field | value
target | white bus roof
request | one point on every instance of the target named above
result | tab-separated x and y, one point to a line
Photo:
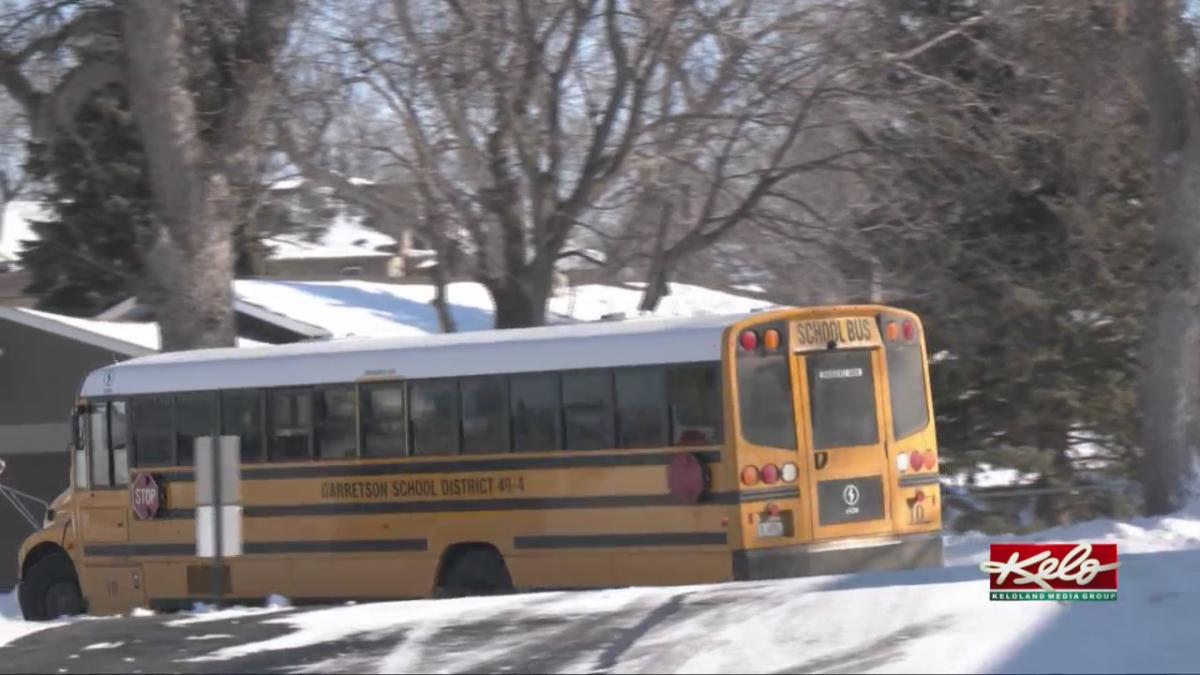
591	345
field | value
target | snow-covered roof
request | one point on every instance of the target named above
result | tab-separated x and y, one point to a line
125	338
16	227
346	237
586	345
347	308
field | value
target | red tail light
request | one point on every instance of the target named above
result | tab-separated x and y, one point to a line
770	474
749	340
750	475
916	460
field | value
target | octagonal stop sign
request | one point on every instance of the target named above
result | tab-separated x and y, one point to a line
145	496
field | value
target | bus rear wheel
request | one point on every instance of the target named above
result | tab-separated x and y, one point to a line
474	571
50	589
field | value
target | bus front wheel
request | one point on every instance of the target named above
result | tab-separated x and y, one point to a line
478	570
50	589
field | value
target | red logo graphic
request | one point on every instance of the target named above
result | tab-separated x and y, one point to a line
145	497
1052	571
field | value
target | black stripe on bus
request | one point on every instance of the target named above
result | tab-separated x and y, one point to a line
502	504
552	541
465	465
914	480
263	547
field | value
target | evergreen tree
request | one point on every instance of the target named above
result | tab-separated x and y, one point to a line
1014	215
93	182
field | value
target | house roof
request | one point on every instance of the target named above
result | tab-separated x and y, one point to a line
122	337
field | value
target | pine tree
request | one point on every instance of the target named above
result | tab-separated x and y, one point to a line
93	182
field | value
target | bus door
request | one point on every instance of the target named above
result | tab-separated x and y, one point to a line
102	497
842	417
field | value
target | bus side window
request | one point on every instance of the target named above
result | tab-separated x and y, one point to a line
641	407
694	395
485	415
335	408
153	425
589	422
118	433
534	407
242	416
383	419
98	445
433	417
289	425
195	416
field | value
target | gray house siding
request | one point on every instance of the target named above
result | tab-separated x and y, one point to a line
40	374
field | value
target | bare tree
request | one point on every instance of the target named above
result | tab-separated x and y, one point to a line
198	143
537	131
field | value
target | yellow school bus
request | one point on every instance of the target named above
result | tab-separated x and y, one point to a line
629	452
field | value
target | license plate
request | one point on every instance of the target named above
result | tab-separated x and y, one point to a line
770	528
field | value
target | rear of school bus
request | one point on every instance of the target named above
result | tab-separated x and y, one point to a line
833	422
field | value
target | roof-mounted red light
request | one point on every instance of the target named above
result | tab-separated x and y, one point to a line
749	340
909	330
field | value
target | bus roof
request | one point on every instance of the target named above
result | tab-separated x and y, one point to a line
624	342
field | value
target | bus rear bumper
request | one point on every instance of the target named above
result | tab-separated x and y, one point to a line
901	552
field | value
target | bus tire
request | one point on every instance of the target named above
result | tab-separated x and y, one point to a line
50	589
477	570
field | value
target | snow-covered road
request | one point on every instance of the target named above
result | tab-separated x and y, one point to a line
923	621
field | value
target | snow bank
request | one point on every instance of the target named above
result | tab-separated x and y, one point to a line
1176	532
938	620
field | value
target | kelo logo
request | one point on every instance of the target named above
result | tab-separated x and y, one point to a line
1078	572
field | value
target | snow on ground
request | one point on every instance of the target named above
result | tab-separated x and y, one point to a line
12	624
937	620
351	308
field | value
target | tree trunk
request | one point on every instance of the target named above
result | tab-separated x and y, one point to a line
440	302
193	164
1169	351
192	256
520	301
657	285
